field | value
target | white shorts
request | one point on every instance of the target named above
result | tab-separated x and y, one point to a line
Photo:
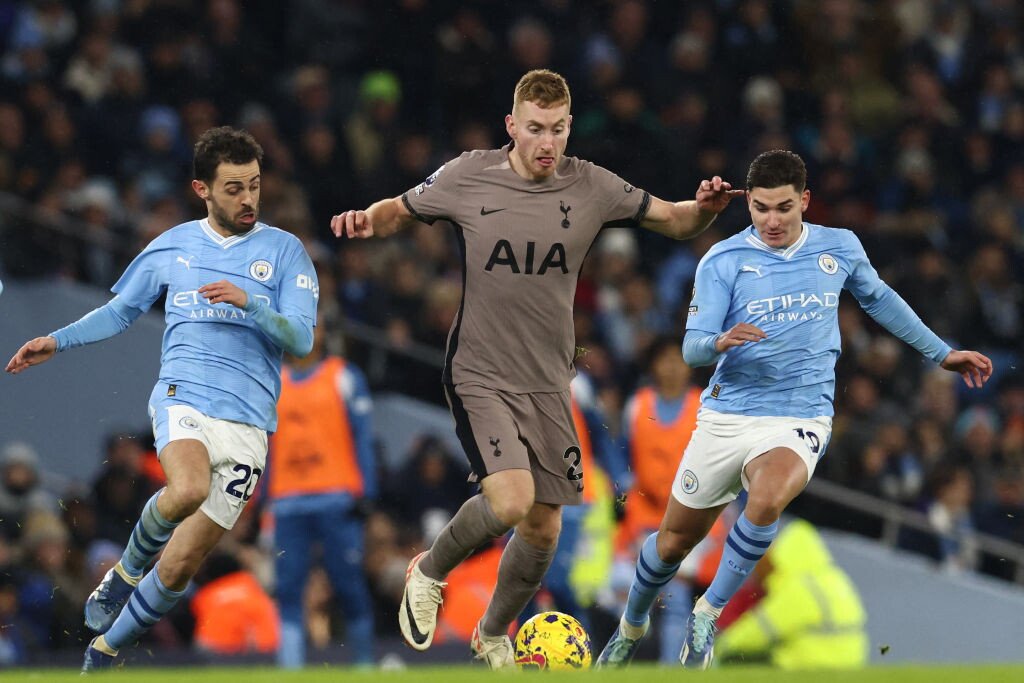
712	469
238	456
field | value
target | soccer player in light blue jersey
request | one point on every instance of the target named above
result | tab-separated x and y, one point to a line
764	308
239	294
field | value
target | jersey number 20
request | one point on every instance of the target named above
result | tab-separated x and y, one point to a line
247	482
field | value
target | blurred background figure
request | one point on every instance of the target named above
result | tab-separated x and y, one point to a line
656	426
233	614
322	481
21	490
811	616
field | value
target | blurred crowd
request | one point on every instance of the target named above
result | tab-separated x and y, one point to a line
909	114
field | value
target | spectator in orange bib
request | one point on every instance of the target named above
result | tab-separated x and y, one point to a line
322	477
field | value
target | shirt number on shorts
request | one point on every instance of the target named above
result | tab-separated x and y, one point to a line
575	472
811	438
250	475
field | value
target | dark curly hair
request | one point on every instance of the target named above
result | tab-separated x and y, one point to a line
223	145
777	168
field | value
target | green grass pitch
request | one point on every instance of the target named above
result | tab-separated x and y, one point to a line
473	674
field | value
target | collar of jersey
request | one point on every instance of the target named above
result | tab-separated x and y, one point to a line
227	242
787	252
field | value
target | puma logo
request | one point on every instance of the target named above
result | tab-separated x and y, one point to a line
188	263
751	269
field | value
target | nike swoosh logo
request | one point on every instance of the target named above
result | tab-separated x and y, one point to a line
418	637
484	211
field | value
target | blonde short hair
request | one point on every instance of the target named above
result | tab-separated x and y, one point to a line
543	87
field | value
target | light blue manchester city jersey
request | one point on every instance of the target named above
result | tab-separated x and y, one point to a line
792	294
213	357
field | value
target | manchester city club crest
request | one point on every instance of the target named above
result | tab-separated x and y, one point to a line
828	263
261	270
188	422
690	482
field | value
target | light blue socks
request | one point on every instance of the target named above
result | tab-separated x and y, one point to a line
651	576
746	544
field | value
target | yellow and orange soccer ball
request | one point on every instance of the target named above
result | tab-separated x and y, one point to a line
552	641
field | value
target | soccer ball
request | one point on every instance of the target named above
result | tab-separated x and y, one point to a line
554	641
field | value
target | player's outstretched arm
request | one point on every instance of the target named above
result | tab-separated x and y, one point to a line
974	367
34	352
113	317
383	219
685	220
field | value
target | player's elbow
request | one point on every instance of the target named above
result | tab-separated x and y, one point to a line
302	351
303	346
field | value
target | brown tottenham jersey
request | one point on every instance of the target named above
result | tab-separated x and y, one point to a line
522	244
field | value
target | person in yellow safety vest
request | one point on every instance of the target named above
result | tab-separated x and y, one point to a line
811	616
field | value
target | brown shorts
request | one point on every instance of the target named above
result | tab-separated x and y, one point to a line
503	431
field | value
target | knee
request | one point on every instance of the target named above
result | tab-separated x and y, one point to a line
511	510
765	507
674	546
541	533
175	574
184	498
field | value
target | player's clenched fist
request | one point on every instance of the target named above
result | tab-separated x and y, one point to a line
352	224
39	350
738	335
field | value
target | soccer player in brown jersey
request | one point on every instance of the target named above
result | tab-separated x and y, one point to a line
525	217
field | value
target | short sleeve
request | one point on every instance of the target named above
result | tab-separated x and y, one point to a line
623	205
300	287
144	280
712	294
438	195
863	281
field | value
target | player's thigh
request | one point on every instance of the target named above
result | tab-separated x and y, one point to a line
238	456
709	473
806	438
546	423
182	440
510	493
486	429
775	478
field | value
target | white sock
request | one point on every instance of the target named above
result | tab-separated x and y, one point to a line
707	608
632	632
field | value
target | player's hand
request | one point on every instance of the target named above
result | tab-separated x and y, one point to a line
715	194
223	292
738	335
972	366
39	350
353	224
